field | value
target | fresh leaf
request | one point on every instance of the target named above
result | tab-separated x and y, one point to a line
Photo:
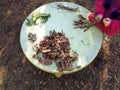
30	22
44	20
42	16
35	16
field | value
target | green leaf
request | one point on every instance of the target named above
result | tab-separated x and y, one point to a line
44	20
43	17
35	16
30	22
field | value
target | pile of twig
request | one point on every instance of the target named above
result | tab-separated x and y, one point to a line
56	47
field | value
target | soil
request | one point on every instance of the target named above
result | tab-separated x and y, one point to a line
17	73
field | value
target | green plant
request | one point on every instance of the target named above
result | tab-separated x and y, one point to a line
42	16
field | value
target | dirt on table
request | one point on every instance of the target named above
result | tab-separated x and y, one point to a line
17	73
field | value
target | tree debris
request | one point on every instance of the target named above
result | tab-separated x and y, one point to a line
32	37
60	6
83	23
56	47
42	16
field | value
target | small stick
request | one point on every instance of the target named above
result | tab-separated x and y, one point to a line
89	27
67	8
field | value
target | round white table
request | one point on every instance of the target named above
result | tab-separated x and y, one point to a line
86	44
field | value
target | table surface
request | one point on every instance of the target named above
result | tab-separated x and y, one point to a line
86	44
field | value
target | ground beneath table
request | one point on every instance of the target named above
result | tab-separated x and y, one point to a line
17	73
